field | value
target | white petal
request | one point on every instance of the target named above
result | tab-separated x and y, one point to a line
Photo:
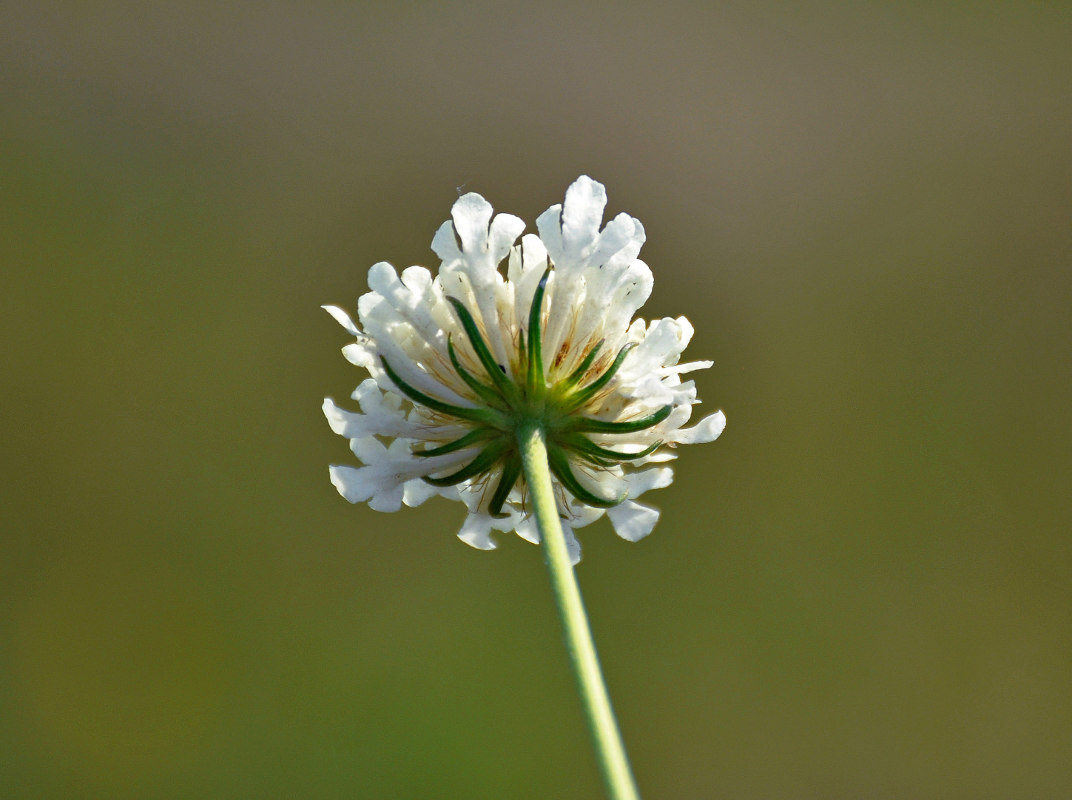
549	225
445	244
631	290
362	353
648	479
632	521
581	514
368	449
367	484
505	229
606	483
581	215
573	547
680	415
530	254
621	252
527	264
651	389
583	283
417	491
352	425
472	215
689	366
618	245
351	483
483	244
706	430
527	530
660	456
662	345
412	306
343	422
388	498
382	480
616	288
343	319
476	532
388	417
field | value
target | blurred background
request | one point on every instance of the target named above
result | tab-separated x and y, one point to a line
861	590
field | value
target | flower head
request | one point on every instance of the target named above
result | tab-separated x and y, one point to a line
461	361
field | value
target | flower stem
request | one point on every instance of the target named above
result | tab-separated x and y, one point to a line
610	752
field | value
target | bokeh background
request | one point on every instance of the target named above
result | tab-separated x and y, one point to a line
861	590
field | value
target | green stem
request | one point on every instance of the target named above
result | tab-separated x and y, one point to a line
613	763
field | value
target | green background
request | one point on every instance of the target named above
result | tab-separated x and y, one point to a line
861	590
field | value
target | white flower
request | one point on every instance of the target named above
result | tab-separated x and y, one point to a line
459	360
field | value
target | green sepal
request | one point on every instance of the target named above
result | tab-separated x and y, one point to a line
486	393
581	397
486	416
575	376
482	463
535	377
588	425
582	444
491	366
559	464
510	473
468	440
522	357
596	461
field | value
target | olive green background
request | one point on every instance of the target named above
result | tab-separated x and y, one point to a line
861	590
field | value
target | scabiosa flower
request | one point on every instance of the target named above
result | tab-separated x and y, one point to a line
459	362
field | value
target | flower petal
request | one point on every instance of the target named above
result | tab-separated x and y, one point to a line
363	484
573	547
527	529
570	231
381	482
412	298
377	421
632	521
527	264
351	483
706	430
648	479
476	532
362	353
416	492
662	345
474	246
343	319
